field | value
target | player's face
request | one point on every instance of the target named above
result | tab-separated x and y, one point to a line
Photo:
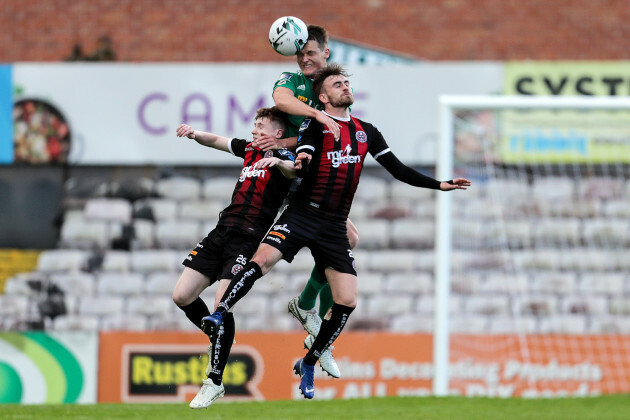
263	127
311	59
338	91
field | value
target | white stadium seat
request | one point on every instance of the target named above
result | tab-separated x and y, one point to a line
111	209
179	188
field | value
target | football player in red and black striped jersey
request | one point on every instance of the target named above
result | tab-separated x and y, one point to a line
258	194
330	169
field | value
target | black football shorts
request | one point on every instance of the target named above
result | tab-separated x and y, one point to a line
326	238
222	253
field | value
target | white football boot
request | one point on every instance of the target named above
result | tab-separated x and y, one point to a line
208	393
309	319
326	360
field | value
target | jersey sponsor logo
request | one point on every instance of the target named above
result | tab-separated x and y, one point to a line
278	234
301	87
273	238
304	99
287	153
249	148
327	132
281	82
250	172
344	157
361	136
282	228
193	252
305	124
286	76
268	154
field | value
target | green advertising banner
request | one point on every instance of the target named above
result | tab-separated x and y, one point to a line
565	136
45	368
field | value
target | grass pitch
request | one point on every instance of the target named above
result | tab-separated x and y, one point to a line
452	408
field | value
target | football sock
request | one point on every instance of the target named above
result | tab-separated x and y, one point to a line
328	332
221	348
196	310
239	286
308	297
325	301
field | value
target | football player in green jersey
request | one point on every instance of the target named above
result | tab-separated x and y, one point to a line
294	95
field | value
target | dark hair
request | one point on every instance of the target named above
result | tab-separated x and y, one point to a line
275	115
318	34
332	69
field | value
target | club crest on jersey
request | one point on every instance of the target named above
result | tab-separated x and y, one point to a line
361	136
236	268
268	154
287	153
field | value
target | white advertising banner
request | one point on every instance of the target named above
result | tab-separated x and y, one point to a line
126	114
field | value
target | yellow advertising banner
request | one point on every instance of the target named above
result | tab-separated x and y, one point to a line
150	367
565	136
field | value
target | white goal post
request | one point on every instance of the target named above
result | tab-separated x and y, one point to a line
444	221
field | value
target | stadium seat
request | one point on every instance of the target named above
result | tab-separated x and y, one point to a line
253	305
513	325
86	234
611	284
466	283
370	283
14	304
388	261
373	233
408	283
390	210
267	323
581	304
110	283
609	232
401	192
25	284
177	233
508	283
371	189
536	304
554	188
149	260
110	209
389	305
616	208
160	208
75	283
487	305
412	323
600	188
609	325
412	233
179	188
76	322
101	305
150	305
563	324
219	188
116	261
143	234
620	305
51	260
124	322
559	231
555	282
161	282
469	324
201	210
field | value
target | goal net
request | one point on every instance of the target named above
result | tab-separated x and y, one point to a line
532	262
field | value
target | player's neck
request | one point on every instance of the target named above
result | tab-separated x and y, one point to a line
342	112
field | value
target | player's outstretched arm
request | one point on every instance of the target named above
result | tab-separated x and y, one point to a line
410	176
287	102
265	143
205	139
285	166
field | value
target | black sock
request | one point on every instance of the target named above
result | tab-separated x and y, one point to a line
239	286
196	310
328	332
221	348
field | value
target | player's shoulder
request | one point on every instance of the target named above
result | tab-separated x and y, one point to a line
288	76
367	126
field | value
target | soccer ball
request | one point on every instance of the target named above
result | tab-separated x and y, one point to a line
288	35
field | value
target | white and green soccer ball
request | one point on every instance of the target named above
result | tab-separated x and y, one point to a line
288	35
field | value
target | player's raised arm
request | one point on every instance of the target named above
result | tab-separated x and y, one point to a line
410	176
205	139
287	102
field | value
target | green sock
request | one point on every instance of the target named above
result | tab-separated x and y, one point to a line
325	301
311	290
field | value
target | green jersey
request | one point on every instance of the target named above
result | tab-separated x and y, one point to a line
302	88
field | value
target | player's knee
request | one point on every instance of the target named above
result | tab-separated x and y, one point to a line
181	299
347	300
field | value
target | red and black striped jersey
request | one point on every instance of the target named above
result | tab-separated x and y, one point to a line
333	174
258	193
